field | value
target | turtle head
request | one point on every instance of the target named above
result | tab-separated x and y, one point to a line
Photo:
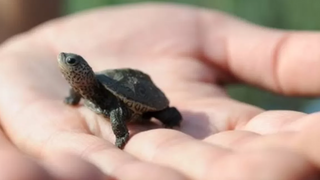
76	70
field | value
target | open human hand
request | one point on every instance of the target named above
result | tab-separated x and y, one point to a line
190	53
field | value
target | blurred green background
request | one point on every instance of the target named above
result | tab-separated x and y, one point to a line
285	14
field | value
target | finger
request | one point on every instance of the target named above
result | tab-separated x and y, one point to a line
270	122
301	136
246	140
108	158
276	164
273	121
277	127
283	61
177	150
203	161
304	142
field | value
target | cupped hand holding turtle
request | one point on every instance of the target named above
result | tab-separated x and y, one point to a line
189	53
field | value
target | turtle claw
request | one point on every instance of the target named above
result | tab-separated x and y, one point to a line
70	101
73	98
171	125
121	141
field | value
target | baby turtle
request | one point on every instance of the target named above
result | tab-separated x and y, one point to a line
122	95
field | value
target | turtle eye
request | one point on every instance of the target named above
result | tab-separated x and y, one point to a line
71	60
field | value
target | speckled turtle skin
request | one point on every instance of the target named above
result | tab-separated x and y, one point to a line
122	95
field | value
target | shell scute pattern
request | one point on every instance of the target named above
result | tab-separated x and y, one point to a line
135	88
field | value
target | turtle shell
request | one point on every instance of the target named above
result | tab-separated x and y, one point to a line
134	87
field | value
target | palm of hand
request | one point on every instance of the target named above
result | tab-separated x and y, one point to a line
169	49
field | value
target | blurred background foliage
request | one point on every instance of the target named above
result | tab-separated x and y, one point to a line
285	14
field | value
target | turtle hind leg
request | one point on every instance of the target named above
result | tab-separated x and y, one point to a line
93	107
169	117
73	98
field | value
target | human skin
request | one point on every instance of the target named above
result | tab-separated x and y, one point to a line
190	54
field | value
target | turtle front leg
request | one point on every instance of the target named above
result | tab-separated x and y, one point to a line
169	117
73	98
118	119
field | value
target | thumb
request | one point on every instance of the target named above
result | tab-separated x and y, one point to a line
285	62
